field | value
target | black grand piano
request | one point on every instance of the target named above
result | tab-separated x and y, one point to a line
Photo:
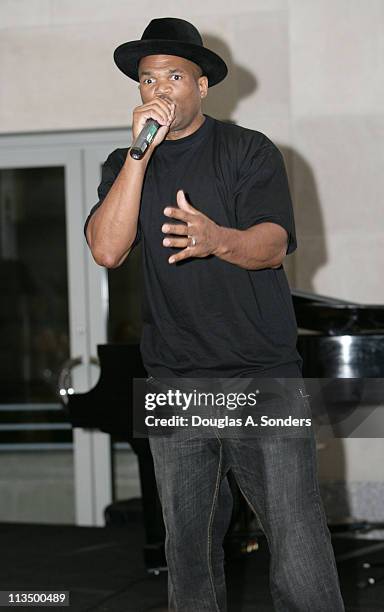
338	340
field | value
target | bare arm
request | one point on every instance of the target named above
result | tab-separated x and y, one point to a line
112	227
260	246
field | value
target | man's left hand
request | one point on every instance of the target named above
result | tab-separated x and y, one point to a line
198	238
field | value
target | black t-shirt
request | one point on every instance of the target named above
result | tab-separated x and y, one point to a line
205	317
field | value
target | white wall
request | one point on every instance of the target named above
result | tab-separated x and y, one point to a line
308	73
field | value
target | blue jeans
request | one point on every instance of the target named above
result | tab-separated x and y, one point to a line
278	478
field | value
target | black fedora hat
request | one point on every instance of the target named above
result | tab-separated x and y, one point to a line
170	36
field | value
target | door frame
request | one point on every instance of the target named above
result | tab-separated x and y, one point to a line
81	152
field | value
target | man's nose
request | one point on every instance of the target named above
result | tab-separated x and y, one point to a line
162	87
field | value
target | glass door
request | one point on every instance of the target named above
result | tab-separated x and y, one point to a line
114	309
119	320
34	293
44	318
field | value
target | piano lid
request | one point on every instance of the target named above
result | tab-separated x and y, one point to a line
332	316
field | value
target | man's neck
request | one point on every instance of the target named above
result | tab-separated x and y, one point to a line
187	131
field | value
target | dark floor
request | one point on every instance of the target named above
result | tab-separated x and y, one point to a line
104	571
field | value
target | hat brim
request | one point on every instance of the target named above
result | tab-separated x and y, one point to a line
128	55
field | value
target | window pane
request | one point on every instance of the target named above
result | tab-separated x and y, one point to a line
34	340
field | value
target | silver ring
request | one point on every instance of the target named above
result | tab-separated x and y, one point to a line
194	241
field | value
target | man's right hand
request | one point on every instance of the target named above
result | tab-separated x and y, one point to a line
160	109
113	226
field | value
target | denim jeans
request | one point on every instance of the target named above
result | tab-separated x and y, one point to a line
278	477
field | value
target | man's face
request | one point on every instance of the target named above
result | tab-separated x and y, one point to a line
177	80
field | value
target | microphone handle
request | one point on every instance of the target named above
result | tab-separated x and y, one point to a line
144	139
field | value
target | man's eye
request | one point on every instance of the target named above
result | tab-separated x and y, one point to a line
147	81
177	76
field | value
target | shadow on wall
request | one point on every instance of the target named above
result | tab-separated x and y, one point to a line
301	267
223	98
311	255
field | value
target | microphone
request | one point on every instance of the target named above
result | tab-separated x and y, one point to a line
144	139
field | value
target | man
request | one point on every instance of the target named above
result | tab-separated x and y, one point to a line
210	203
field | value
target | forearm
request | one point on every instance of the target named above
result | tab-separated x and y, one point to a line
112	227
260	246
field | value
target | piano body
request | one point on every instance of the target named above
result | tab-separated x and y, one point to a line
337	340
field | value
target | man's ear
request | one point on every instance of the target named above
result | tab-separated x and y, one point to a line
203	86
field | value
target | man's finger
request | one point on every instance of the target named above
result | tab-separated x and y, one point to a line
184	254
180	243
181	230
177	213
183	202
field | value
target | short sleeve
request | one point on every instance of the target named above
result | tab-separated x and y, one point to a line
110	170
262	192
